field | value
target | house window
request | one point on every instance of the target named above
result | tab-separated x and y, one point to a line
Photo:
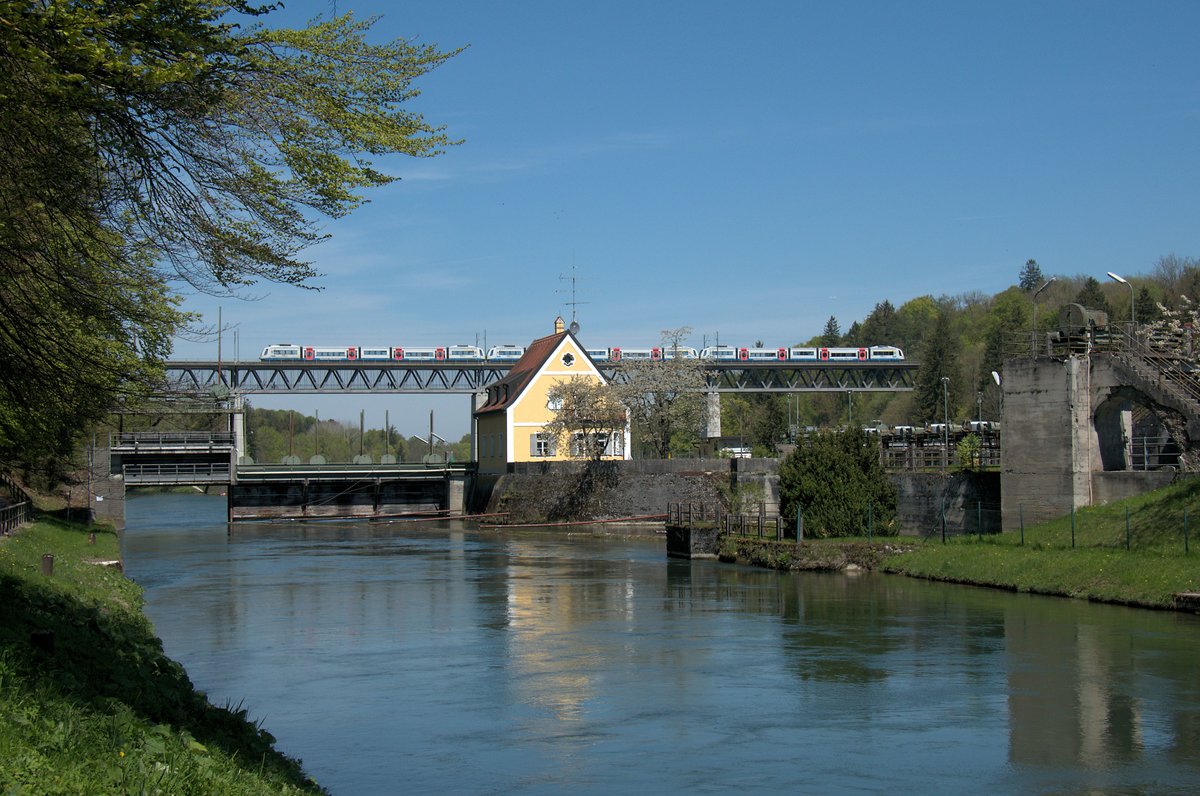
554	404
611	444
542	444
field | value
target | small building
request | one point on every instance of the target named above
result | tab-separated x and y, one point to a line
510	425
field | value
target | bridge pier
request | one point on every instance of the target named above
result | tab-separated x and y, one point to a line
712	415
1070	447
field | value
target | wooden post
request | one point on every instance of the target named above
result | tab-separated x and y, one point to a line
47	564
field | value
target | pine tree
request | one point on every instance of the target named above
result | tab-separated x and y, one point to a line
1031	276
832	335
1092	297
939	359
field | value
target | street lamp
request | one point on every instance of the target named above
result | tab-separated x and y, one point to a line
946	424
1132	313
996	378
1037	293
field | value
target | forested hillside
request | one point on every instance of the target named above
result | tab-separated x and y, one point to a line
964	337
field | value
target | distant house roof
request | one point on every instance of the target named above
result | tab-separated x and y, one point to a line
505	392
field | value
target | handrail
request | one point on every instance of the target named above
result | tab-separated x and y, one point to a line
157	438
15	515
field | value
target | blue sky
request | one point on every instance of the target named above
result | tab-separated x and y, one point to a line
747	169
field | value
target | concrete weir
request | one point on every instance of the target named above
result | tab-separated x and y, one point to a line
352	492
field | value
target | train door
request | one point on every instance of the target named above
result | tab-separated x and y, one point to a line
309	354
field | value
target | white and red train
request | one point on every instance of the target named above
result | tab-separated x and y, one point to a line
285	352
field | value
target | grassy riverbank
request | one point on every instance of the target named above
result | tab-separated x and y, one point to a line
88	701
1139	551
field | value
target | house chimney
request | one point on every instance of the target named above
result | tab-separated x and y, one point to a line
559	325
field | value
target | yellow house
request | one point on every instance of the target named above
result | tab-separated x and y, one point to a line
509	426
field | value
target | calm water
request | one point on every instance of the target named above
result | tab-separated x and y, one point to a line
416	658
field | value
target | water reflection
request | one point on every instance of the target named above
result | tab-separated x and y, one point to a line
456	660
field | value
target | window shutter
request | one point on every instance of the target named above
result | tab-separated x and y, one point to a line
533	444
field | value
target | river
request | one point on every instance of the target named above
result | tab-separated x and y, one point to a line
429	657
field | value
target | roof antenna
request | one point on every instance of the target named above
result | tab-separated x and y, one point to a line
574	327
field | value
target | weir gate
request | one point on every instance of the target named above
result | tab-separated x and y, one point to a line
275	491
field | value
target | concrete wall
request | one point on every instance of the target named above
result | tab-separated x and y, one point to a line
559	492
967	498
571	491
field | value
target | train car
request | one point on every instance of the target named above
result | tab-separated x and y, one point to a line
802	354
505	353
762	354
317	353
843	354
634	354
719	353
464	353
680	352
597	354
280	351
885	353
375	353
420	354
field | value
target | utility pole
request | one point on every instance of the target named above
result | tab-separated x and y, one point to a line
946	423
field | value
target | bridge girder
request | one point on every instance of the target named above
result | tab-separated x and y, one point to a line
464	379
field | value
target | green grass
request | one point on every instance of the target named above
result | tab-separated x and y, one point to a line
88	701
1149	572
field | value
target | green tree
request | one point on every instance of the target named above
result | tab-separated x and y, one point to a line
881	327
1147	306
939	359
835	479
1092	297
1008	316
145	143
1031	276
832	334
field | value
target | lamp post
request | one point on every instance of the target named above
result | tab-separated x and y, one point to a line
1132	313
996	378
946	424
1037	293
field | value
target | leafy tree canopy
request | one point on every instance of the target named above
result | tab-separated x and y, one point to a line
144	143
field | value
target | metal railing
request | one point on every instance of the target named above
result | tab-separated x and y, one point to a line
710	515
19	511
170	439
15	515
186	473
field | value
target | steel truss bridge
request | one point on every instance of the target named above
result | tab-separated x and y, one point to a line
467	378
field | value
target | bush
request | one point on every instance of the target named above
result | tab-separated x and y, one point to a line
837	480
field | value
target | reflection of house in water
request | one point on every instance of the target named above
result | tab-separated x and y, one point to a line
1070	700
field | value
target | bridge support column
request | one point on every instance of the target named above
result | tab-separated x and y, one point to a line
237	425
1046	471
477	400
712	415
456	492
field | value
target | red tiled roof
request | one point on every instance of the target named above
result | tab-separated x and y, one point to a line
505	392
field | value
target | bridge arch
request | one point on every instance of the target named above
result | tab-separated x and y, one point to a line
1135	432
